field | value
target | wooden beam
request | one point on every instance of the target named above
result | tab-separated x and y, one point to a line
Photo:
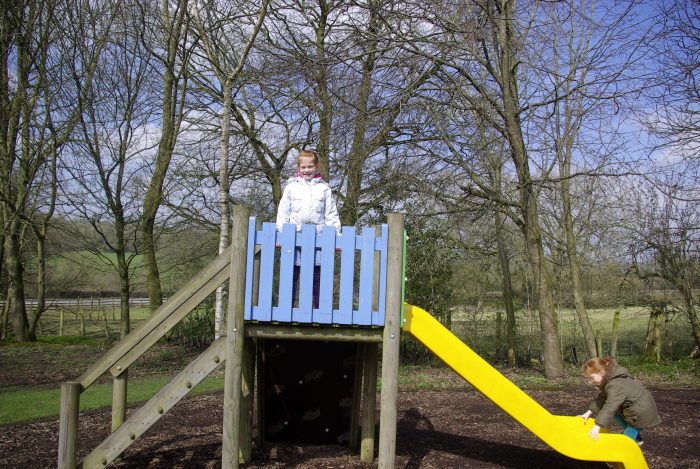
200	285
68	426
369	403
119	391
305	332
247	386
390	347
235	329
157	406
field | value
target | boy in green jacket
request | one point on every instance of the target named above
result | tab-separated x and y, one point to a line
621	398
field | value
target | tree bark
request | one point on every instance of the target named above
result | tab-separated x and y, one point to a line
652	345
224	207
507	285
175	28
528	190
16	280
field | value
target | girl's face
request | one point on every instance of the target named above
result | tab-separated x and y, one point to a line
597	378
307	167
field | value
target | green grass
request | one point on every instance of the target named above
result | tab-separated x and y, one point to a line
477	329
682	373
27	404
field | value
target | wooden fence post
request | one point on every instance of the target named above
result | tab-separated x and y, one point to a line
391	342
119	388
615	333
68	426
235	339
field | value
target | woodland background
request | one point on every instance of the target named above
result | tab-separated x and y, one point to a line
545	155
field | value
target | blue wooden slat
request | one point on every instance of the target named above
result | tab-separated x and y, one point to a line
378	317
306	274
248	306
263	311
287	241
327	242
364	307
347	267
324	313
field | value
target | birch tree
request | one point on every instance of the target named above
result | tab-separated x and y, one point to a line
227	40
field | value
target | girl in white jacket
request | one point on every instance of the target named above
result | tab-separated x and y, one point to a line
307	198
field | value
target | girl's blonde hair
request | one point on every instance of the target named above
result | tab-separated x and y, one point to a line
307	154
596	364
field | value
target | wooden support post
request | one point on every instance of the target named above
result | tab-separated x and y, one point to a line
354	437
68	426
119	385
390	347
247	383
260	389
369	403
369	367
235	339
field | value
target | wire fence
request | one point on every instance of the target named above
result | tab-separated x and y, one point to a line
100	317
478	330
86	317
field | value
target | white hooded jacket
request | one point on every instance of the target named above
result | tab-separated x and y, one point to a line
307	202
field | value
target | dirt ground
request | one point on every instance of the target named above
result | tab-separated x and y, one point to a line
459	428
436	429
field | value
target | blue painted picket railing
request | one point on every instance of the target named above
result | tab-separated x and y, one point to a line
351	309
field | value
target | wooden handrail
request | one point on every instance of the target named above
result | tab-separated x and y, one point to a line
199	286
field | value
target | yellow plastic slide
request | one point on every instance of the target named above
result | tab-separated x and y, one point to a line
565	434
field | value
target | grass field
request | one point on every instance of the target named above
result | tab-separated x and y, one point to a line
21	405
478	330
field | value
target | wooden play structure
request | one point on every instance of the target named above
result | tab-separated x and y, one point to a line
360	303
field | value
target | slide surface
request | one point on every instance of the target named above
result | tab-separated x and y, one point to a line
565	434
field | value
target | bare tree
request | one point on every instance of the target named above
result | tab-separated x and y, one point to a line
104	161
588	57
343	63
480	49
172	31
39	41
667	246
226	43
671	110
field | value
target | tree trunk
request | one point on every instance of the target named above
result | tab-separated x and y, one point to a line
124	297
171	108
507	292
40	286
325	103
507	65
652	345
575	270
219	310
691	314
15	278
6	313
615	334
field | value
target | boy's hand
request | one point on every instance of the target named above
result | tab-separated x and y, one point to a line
594	432
585	416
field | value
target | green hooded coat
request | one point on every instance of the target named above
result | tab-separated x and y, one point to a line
621	394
